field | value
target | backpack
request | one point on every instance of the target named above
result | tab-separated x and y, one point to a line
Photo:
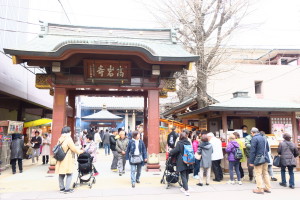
238	154
188	155
58	152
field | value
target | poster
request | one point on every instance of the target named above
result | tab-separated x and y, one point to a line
278	131
15	127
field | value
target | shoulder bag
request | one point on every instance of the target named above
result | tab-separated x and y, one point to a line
260	159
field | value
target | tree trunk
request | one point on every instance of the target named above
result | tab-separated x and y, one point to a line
201	86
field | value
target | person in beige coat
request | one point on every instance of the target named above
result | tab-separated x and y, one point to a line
66	167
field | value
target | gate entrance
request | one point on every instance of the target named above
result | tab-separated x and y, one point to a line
82	60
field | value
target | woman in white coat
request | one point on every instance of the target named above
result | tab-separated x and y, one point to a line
46	141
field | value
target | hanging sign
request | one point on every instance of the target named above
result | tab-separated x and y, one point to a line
107	71
15	127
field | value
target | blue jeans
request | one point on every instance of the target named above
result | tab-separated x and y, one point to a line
236	166
107	148
196	167
135	168
291	173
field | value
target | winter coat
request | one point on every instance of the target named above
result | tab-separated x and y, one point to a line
288	152
36	139
106	138
177	152
217	149
172	139
113	142
248	139
46	146
67	165
205	150
259	146
122	145
242	147
91	148
195	145
230	149
16	148
131	148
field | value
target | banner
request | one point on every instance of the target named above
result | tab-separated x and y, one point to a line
15	127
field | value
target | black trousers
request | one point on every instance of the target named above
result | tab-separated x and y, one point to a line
45	159
185	179
14	163
216	167
241	170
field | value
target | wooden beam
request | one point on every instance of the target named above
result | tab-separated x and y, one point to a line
106	93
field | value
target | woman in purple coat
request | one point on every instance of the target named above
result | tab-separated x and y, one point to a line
233	163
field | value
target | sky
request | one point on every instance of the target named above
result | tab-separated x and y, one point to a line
269	24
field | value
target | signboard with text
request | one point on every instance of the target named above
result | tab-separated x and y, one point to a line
107	71
15	127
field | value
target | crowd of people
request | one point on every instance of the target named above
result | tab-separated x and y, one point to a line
255	150
206	149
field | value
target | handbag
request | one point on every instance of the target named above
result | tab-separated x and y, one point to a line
277	161
260	159
136	159
198	156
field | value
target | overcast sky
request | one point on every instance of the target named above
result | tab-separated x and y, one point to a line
271	24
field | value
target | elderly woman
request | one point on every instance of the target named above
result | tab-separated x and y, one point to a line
16	153
66	167
137	155
91	148
121	148
288	152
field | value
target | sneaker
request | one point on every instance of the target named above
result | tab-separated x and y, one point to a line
230	182
114	170
137	181
200	184
240	183
273	179
292	186
186	193
196	177
207	183
68	191
133	185
96	174
62	190
14	172
21	171
120	174
182	190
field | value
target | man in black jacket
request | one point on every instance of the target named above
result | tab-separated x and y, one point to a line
113	142
260	148
172	138
36	142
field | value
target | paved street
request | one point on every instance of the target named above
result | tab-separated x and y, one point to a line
35	183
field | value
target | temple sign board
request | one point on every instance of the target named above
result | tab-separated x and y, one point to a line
107	70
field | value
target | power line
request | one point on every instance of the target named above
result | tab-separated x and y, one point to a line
65	11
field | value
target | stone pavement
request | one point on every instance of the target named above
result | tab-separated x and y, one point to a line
34	184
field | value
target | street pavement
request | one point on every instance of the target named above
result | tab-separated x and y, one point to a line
35	184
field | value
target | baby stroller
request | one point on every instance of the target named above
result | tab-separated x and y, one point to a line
85	170
170	175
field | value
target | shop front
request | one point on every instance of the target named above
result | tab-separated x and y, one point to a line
273	117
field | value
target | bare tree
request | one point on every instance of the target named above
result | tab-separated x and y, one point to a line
204	26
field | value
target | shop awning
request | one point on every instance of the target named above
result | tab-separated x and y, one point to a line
38	122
